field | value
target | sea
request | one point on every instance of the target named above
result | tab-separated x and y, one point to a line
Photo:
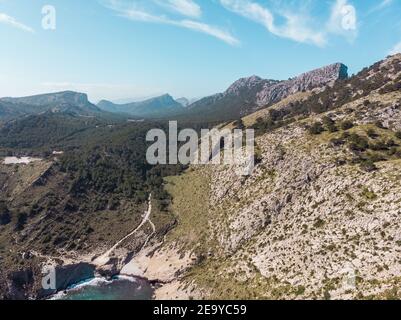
118	288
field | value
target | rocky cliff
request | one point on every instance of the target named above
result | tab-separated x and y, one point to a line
66	101
65	97
318	218
274	92
247	95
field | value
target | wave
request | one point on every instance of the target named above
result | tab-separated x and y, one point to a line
126	278
92	282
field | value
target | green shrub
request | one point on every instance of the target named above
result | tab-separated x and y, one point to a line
357	143
368	166
5	217
346	125
368	194
376	157
378	146
316	128
21	221
379	124
239	124
391	143
372	134
330	124
319	223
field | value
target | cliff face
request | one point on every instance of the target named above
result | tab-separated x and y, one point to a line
247	95
66	101
274	92
319	217
65	97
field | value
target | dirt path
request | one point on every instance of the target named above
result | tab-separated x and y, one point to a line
149	236
104	258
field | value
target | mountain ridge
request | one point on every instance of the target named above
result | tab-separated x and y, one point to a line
244	96
152	107
247	95
64	101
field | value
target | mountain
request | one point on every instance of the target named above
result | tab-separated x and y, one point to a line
183	101
66	101
319	216
154	107
58	98
247	95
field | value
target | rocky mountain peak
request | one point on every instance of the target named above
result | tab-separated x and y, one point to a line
273	92
242	84
247	95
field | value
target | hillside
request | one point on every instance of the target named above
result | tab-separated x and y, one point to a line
318	218
88	189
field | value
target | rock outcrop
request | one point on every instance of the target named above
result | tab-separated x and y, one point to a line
65	97
274	92
247	95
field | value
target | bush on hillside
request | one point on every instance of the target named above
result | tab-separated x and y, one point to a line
316	128
346	125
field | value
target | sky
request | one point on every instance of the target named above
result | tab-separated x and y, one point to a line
124	50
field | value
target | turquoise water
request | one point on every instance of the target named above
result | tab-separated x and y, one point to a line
117	289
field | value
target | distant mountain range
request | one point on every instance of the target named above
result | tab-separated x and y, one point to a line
243	97
154	107
66	101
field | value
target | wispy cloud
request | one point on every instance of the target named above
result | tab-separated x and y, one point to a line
297	24
379	6
396	49
8	20
294	28
137	13
385	3
187	8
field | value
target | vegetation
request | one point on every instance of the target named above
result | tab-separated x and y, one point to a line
5	217
369	145
316	128
346	125
341	93
330	124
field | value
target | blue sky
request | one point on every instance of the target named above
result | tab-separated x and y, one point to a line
122	49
